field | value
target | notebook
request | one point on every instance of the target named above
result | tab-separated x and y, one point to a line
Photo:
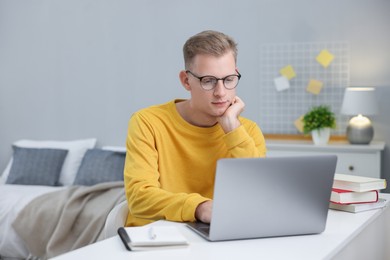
269	197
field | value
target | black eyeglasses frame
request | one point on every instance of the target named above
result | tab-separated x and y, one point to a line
223	79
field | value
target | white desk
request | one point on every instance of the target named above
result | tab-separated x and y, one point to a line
363	235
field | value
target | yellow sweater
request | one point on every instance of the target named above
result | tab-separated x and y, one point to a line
170	164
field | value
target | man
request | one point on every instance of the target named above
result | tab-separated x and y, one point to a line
172	148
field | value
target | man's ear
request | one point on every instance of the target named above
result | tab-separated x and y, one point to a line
183	76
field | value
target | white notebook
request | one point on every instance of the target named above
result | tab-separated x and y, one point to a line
153	237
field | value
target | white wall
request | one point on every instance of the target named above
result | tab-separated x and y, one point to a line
72	69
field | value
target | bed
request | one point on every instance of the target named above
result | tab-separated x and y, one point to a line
56	196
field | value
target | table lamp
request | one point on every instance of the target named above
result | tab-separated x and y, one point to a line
359	102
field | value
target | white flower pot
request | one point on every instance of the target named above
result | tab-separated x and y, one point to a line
320	136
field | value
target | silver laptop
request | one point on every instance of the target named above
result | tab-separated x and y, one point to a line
269	197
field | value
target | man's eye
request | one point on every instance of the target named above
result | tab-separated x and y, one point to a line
229	79
208	80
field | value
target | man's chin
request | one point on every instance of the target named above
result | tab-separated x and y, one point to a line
220	112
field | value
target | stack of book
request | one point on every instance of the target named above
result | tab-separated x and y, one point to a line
356	193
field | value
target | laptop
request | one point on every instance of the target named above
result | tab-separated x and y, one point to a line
269	197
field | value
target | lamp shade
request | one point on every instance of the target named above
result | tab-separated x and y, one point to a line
359	101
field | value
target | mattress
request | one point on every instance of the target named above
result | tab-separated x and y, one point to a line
12	200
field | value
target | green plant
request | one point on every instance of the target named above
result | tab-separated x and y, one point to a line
317	118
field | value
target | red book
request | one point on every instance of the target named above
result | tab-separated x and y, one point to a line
348	197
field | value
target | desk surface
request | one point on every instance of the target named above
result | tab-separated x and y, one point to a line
341	229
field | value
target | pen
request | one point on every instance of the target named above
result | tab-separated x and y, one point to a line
124	237
152	234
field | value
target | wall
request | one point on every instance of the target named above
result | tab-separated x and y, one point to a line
79	68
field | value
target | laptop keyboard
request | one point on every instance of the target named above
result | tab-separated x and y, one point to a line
201	227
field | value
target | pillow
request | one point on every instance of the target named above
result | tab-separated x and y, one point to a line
76	150
119	149
36	166
100	166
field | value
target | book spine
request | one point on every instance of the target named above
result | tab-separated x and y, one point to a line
358	202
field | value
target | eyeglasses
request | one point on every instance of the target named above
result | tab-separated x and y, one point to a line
210	82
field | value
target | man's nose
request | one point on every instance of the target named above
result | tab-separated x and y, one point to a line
219	89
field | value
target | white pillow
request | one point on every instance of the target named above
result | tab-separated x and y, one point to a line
5	174
76	150
119	149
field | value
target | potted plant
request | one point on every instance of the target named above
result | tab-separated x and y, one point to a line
318	121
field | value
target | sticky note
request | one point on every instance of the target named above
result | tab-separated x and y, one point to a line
299	123
314	86
288	72
325	58
281	83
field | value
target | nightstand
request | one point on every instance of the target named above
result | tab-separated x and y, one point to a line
362	160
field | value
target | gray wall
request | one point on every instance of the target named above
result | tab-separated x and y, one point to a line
73	69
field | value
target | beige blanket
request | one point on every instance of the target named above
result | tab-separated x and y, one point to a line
64	220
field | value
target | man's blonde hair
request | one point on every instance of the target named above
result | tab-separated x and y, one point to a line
209	43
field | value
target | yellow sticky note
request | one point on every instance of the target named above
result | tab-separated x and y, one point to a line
314	86
288	72
299	124
325	58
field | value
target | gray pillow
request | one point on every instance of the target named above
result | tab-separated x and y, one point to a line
100	166
36	166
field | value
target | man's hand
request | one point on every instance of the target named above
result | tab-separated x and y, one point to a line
229	120
203	211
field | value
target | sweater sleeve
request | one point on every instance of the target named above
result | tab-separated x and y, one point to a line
246	141
146	200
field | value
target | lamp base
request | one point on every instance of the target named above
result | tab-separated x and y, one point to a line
358	132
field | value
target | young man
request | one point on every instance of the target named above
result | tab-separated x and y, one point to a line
172	149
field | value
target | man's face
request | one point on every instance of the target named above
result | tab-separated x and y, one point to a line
207	105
